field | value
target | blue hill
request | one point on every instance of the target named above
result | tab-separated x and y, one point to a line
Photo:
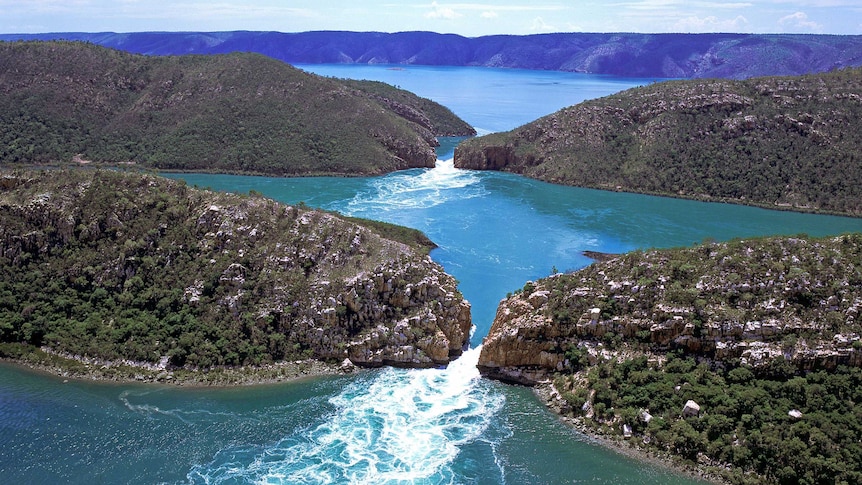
735	56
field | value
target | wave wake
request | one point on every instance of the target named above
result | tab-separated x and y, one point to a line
408	190
393	426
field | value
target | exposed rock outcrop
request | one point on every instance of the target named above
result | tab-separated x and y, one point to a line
270	280
754	301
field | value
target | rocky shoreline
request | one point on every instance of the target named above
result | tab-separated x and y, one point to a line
84	369
727	321
553	400
128	266
732	301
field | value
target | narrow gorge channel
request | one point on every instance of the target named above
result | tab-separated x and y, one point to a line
495	232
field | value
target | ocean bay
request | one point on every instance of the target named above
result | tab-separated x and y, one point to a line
495	232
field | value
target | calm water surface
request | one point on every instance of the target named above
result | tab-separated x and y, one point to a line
495	232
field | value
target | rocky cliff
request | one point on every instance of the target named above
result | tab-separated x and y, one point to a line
748	301
123	266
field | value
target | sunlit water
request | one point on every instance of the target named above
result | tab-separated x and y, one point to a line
495	232
489	99
393	426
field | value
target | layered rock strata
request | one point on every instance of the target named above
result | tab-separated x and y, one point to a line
797	299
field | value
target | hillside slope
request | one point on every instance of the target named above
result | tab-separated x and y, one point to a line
779	142
231	113
126	267
734	56
763	336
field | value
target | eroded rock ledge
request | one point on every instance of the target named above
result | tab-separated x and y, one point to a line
751	301
138	268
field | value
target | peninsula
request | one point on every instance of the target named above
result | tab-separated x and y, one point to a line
743	359
138	272
236	113
776	142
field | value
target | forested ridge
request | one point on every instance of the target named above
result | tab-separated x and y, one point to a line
777	142
676	55
241	112
137	268
761	335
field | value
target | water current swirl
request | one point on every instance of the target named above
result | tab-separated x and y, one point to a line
391	426
410	191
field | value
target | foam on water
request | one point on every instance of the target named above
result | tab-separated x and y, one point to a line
407	190
392	426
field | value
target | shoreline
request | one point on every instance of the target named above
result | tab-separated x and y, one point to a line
550	397
253	173
91	370
80	369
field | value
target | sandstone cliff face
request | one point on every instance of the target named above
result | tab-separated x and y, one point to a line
381	307
523	346
783	298
253	267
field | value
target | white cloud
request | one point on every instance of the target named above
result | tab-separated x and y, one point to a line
466	17
442	12
43	6
539	25
821	3
800	21
501	7
710	23
677	4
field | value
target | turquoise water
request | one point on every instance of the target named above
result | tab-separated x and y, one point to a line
489	99
495	232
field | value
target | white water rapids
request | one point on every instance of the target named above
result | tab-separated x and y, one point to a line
392	426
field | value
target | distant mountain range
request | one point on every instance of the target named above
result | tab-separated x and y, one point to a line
733	56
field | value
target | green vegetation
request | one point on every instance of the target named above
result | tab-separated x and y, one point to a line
750	330
767	288
120	266
425	112
744	420
780	142
411	237
247	113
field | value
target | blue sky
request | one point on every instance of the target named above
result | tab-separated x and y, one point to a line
465	18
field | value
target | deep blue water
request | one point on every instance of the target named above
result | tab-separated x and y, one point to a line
495	232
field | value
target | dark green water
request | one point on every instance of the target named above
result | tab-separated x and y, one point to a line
495	232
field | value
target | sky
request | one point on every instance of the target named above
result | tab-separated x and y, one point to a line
484	17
